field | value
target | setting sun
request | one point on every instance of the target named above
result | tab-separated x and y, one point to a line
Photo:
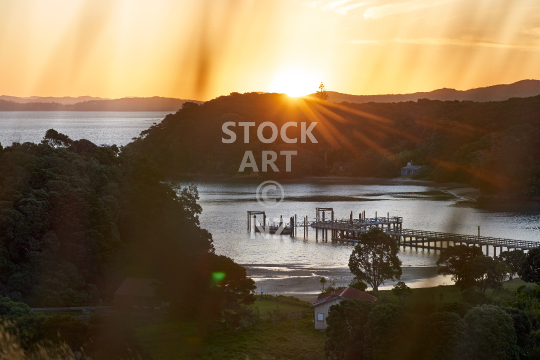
295	82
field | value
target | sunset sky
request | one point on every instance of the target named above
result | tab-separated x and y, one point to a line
205	48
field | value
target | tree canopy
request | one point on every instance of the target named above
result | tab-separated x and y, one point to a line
453	260
374	259
77	218
530	267
322	94
514	259
490	334
345	331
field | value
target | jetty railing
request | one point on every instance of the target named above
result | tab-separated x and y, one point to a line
348	231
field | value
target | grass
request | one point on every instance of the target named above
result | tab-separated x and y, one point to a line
516	283
439	295
287	339
446	293
266	306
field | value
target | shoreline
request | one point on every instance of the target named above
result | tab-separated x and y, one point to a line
303	281
458	190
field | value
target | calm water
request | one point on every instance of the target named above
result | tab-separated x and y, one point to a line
100	127
422	207
225	204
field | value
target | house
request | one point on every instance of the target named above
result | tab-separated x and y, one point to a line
340	167
411	169
138	294
321	307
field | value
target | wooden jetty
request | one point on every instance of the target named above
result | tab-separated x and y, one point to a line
348	231
270	227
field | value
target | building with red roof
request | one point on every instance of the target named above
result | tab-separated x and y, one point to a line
321	307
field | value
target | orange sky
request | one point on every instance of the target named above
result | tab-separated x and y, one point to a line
201	49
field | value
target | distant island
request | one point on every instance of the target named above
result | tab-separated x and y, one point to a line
520	89
87	103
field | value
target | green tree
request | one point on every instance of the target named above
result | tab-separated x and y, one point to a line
522	325
323	282
502	272
385	327
485	272
461	308
357	284
452	261
374	259
401	291
55	139
514	259
346	326
230	290
530	268
489	335
322	94
441	336
9	307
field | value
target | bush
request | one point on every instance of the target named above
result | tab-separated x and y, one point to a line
475	297
489	335
441	337
346	330
382	332
459	308
9	307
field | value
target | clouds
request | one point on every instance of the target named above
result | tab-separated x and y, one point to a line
340	6
378	8
534	32
377	12
467	42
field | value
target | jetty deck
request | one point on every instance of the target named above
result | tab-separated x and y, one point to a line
348	231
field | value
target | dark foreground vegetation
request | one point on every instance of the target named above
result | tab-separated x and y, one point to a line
438	323
492	145
478	318
77	218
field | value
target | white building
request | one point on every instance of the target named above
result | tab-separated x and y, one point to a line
411	169
321	307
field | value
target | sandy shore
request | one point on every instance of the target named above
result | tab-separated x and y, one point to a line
303	282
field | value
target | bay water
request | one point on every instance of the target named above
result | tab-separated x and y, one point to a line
423	206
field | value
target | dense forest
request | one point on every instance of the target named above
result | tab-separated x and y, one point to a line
492	145
77	218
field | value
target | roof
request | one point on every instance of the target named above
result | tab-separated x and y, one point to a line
137	287
347	293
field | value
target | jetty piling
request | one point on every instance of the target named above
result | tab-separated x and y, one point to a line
348	232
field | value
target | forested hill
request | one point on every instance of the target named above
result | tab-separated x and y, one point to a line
155	103
492	145
77	218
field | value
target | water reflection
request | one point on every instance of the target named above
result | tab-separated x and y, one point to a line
422	207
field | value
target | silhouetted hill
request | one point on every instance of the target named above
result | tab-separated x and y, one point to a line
155	103
523	88
491	145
